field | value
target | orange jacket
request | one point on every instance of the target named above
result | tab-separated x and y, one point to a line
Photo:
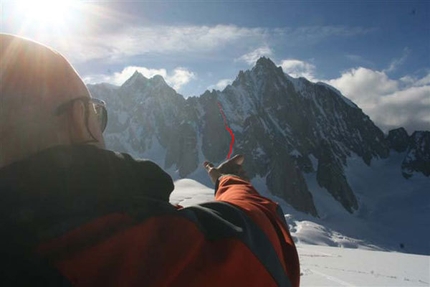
213	244
268	216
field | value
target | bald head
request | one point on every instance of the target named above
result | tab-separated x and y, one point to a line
36	74
34	81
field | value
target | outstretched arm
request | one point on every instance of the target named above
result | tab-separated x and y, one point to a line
233	187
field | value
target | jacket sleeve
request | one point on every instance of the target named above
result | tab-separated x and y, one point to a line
265	213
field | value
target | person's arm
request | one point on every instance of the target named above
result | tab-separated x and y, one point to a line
233	187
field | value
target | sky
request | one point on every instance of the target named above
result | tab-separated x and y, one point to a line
377	53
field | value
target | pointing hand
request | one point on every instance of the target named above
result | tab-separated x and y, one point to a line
232	166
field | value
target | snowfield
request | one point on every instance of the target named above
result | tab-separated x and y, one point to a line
334	266
325	265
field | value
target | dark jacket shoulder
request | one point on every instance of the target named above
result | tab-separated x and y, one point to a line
85	168
60	188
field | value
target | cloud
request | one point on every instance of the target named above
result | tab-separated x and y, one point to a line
220	85
118	78
252	57
399	61
140	40
409	108
120	43
180	77
423	81
311	35
413	81
176	79
297	68
364	86
390	103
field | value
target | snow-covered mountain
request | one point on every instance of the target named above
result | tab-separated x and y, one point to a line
297	136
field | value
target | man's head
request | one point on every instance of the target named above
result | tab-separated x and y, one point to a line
43	101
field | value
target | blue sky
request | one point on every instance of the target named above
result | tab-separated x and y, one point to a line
377	53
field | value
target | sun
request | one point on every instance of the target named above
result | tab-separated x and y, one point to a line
46	12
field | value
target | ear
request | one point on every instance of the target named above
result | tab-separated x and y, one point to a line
78	126
238	159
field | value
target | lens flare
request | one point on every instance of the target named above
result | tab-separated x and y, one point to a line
46	12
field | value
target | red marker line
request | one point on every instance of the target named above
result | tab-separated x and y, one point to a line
228	129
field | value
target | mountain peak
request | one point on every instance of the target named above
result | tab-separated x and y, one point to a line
265	67
265	62
137	74
135	78
158	79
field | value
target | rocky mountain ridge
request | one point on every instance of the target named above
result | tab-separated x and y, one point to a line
285	127
417	148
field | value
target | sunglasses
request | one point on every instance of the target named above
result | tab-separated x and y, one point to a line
98	105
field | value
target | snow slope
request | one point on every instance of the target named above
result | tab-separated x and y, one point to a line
333	266
325	265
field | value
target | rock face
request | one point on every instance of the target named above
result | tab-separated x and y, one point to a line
416	148
285	127
398	139
330	175
293	187
417	159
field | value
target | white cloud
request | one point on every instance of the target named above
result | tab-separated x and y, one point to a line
327	31
252	57
116	45
423	82
140	40
176	79
397	62
409	108
390	103
180	77
297	68
220	85
413	81
364	86
118	78
311	35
